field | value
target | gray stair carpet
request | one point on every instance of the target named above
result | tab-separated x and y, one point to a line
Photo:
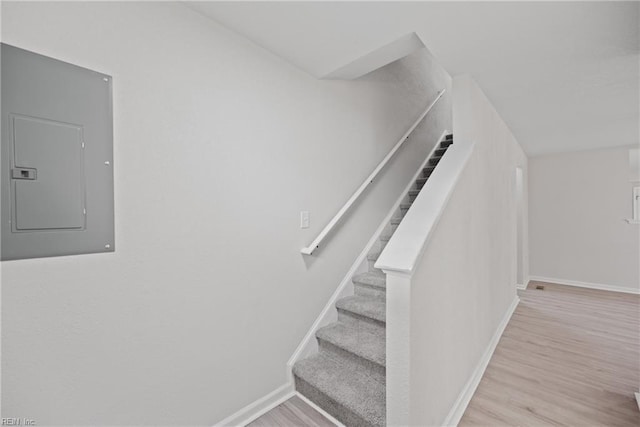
347	377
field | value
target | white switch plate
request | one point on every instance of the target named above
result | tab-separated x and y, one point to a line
304	219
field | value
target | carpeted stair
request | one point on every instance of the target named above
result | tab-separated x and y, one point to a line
347	376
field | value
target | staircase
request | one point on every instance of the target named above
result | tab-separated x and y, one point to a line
347	376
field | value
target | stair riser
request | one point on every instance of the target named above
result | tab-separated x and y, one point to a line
381	245
335	362
341	413
369	291
356	363
371	263
387	228
379	281
361	323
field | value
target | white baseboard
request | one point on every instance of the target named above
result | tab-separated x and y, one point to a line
258	408
461	403
587	285
308	345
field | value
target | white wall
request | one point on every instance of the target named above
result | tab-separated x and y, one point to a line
1	364
463	284
218	146
577	205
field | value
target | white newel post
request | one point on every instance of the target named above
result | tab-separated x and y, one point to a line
399	261
398	347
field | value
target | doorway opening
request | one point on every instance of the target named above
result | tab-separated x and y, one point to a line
520	280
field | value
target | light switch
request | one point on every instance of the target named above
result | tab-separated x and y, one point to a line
304	219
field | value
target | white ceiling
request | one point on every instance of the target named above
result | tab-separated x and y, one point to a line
563	75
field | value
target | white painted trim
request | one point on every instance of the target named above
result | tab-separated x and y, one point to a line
320	410
328	314
631	221
398	348
461	403
410	239
520	286
258	408
638	399
327	229
587	285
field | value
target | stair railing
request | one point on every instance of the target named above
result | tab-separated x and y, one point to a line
338	216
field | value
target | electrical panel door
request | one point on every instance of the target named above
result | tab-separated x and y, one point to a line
57	149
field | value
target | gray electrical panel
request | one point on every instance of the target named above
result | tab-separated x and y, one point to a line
56	158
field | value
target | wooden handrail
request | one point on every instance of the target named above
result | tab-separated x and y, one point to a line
338	216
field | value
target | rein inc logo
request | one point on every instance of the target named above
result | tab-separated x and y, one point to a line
18	422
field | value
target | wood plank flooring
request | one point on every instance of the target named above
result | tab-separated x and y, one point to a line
293	412
569	356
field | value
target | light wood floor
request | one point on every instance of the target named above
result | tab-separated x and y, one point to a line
569	356
293	412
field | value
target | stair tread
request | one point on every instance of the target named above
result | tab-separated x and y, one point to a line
359	393
373	256
328	372
367	345
370	307
376	280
